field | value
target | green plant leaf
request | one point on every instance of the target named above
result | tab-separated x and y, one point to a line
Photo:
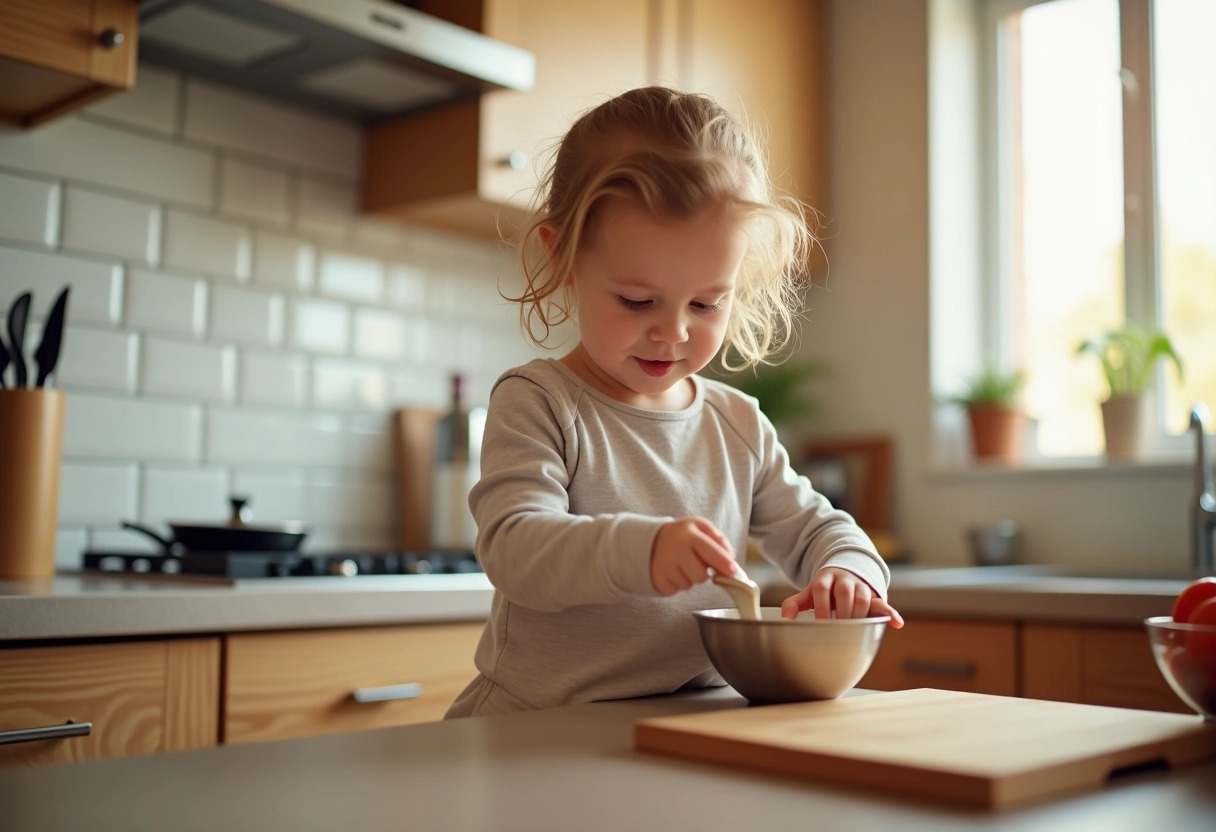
991	386
1128	357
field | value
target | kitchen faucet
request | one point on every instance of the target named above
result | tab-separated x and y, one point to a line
1203	520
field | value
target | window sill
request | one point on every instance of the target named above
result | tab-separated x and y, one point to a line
1057	468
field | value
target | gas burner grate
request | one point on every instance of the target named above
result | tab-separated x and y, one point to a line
282	564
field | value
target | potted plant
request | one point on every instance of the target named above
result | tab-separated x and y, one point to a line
997	422
1128	357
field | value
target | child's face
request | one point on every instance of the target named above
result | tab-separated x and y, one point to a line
653	298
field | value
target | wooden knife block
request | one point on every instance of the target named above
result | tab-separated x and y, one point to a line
415	452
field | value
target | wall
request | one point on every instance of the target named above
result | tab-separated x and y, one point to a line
234	325
872	325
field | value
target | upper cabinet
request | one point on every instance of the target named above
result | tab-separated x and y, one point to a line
472	167
58	55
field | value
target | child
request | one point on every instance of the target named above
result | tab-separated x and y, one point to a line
614	480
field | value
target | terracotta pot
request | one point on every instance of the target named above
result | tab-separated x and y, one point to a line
996	432
1121	425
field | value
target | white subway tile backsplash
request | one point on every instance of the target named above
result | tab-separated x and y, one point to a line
276	379
245	437
274	496
326	208
195	225
341	384
319	325
417	337
165	302
245	315
284	262
351	277
70	544
405	286
370	441
132	429
96	285
184	368
77	148
380	333
423	386
455	346
107	224
206	244
379	234
104	358
93	493
343	500
185	495
254	191
152	104
239	120
29	210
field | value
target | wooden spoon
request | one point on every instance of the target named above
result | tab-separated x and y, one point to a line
743	591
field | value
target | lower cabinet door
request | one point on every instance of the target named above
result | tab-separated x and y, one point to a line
1095	665
297	684
135	697
973	656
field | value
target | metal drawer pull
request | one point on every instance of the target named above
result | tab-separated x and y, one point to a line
388	693
50	732
939	668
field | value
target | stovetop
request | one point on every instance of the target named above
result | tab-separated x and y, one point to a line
279	565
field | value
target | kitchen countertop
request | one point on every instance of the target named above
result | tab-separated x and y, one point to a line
560	769
80	605
90	606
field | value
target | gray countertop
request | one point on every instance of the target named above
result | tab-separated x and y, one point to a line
85	606
91	606
561	769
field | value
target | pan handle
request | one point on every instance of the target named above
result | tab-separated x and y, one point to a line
169	546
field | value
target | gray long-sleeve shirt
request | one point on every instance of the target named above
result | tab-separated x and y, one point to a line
574	487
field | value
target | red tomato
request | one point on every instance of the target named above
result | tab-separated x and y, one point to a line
1202	645
1187	600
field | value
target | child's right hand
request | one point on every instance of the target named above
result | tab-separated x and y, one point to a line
684	552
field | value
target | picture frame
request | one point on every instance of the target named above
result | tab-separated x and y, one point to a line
855	473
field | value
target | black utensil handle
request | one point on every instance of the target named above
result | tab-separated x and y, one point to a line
166	544
47	354
17	316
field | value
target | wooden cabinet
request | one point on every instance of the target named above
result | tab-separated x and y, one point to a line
765	60
58	55
141	697
973	656
1095	665
472	167
296	684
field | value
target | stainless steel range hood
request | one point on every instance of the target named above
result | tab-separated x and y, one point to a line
366	60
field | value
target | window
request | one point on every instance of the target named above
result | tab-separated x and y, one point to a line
1101	147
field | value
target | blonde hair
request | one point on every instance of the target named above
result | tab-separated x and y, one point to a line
676	153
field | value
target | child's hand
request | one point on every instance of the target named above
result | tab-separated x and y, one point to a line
840	590
684	551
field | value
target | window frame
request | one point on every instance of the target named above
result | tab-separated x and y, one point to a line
1142	266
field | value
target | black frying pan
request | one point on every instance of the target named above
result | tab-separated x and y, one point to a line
236	536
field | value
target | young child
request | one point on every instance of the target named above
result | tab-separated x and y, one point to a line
615	481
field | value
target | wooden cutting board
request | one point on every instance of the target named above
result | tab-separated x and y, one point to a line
968	748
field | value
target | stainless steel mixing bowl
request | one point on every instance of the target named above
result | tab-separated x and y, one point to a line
773	660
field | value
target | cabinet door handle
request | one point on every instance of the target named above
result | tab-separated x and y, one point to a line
939	668
110	38
49	732
388	693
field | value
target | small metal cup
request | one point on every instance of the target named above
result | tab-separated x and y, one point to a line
994	544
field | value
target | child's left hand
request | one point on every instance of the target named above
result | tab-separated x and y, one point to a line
840	590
